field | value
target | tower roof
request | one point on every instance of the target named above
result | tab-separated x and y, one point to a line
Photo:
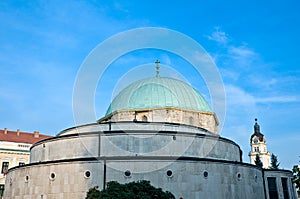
158	92
257	130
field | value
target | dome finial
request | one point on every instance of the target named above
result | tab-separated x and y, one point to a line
157	68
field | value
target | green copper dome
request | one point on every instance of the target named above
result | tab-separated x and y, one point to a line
158	92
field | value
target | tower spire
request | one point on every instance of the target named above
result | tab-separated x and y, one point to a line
256	127
259	147
157	68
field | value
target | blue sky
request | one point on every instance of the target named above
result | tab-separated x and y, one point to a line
254	44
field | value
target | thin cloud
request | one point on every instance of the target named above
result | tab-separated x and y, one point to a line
229	74
218	36
237	54
242	56
277	99
241	51
239	97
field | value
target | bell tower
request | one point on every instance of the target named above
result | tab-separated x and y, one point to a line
259	147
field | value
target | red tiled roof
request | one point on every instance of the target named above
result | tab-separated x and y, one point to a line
23	137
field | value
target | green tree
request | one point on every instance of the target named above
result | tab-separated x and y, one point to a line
274	162
132	190
296	177
257	161
93	193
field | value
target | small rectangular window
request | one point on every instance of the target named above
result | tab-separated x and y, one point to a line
1	190
4	167
272	188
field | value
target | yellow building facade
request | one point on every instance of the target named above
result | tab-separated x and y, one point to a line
15	150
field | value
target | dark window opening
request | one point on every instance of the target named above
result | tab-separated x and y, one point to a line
4	167
26	178
127	173
1	190
169	173
145	119
272	188
87	174
52	176
21	163
205	174
285	188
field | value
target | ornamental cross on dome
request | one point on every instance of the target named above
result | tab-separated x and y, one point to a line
157	68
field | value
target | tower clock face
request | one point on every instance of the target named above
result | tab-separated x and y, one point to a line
255	141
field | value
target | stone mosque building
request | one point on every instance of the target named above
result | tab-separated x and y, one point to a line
158	129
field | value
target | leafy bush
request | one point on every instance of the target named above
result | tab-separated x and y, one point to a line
132	190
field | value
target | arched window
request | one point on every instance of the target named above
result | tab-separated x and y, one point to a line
145	119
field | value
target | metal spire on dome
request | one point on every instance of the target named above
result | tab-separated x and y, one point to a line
157	68
257	129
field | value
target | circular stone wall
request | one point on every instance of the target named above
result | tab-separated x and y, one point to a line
189	178
89	143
